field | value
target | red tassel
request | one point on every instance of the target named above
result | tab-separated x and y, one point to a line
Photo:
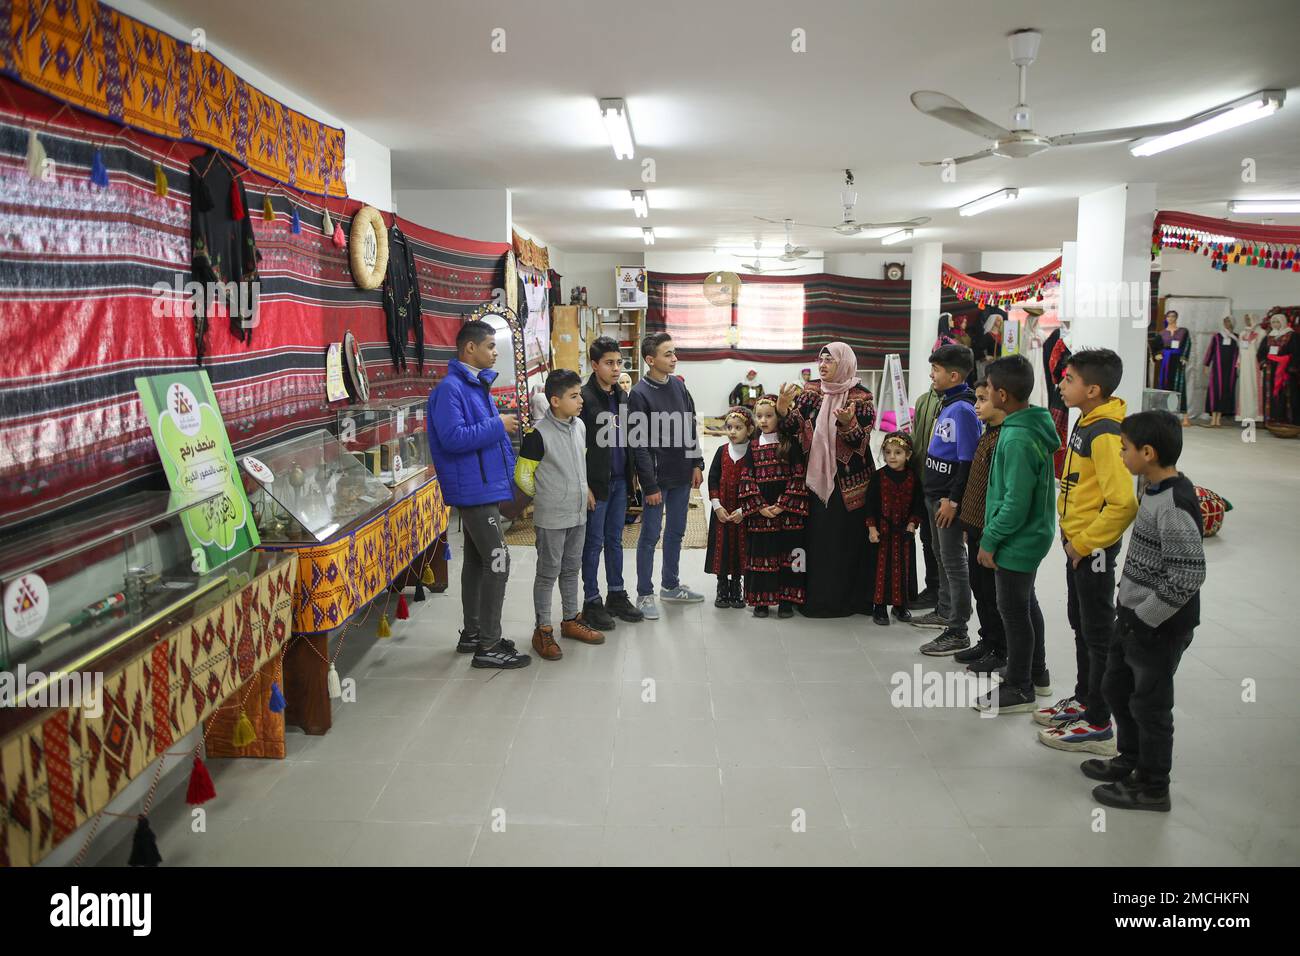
402	612
201	789
236	202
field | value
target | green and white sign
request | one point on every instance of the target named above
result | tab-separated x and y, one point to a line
196	455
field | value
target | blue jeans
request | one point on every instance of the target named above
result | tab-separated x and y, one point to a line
675	501
605	533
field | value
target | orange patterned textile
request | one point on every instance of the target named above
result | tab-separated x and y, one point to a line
86	54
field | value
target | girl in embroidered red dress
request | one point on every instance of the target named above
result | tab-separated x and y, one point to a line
775	503
894	511
724	553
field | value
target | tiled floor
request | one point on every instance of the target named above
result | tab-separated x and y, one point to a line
754	724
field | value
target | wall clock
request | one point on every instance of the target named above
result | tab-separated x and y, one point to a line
368	248
894	271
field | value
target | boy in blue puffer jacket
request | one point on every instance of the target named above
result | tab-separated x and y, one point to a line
469	443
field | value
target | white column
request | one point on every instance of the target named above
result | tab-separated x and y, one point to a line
927	270
1110	291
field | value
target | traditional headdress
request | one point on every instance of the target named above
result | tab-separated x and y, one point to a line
902	439
743	413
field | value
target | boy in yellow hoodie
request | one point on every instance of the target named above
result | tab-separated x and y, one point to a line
1094	506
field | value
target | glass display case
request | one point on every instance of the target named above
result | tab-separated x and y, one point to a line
309	488
387	437
76	587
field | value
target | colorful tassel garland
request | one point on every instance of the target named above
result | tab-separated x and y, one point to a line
277	704
295	222
403	612
200	790
340	240
98	171
268	211
35	155
427	578
236	202
327	224
244	733
419	593
160	187
384	629
335	685
144	846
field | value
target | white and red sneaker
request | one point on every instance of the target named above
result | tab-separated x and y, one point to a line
1064	710
1080	736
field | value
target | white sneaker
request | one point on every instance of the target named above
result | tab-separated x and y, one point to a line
646	605
681	594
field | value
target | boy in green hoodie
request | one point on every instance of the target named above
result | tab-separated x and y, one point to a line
1095	504
1019	522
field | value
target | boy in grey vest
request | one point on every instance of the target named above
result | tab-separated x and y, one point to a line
552	467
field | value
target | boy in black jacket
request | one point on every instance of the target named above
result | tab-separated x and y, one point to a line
604	412
1159	607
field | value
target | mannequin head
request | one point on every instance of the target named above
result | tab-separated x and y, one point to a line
1249	320
1227	324
1171	320
751	375
1278	322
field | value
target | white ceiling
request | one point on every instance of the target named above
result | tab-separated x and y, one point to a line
739	125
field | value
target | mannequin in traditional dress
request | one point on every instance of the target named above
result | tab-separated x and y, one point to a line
1248	371
746	393
1221	388
1279	351
1173	361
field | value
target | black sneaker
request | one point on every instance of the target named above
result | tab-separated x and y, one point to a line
617	604
501	655
980	649
467	644
1108	771
948	642
880	614
903	614
988	664
724	594
594	613
1129	795
1042	681
785	609
1006	699
925	600
760	611
738	593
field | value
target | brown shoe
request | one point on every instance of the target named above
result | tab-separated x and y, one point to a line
544	644
580	631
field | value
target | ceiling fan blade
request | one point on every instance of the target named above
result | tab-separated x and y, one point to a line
958	160
1121	135
901	224
945	108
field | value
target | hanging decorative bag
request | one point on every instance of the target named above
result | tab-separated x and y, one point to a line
368	248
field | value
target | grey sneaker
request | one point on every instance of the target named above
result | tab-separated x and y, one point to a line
646	605
680	595
949	642
930	620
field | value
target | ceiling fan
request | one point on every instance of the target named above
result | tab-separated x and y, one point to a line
757	266
850	226
792	252
1021	140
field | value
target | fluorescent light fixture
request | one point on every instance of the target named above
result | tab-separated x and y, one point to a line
1246	110
640	204
896	237
648	235
619	128
1251	207
991	201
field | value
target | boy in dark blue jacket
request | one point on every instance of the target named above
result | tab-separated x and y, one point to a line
947	466
469	443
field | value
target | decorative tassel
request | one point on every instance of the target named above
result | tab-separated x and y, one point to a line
295	223
335	685
160	187
201	789
403	612
427	578
419	593
244	733
268	211
384	629
340	240
98	171
35	155
236	202
144	846
327	224
277	704
446	552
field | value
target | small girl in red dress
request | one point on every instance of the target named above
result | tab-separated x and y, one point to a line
894	508
725	551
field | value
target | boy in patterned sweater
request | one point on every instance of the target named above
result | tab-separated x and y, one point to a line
1159	607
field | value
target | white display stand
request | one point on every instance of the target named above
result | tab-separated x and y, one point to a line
893	392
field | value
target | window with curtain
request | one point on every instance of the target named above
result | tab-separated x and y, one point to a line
770	315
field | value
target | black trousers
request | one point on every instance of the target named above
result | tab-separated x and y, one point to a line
1023	620
1090	606
984	587
1139	687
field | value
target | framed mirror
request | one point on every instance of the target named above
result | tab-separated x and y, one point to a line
510	391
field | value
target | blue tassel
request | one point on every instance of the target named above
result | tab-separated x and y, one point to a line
277	698
295	224
446	552
98	171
